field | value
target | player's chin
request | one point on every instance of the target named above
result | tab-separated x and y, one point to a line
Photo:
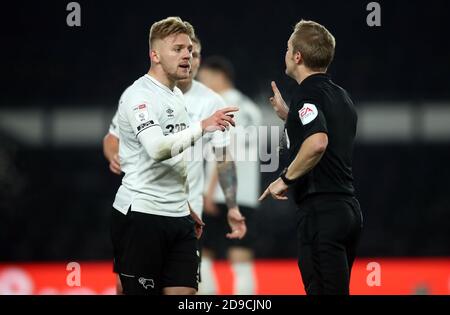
183	73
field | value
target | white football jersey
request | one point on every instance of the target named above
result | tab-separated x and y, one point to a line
149	186
201	103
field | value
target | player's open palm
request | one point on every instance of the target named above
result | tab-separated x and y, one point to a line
278	103
237	224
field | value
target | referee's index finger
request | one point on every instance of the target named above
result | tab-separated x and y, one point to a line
264	195
274	87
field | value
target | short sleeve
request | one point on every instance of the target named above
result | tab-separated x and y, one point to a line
114	125
140	114
311	117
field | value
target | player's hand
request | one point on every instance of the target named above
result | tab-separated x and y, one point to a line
114	165
199	224
277	190
220	120
278	103
237	224
210	207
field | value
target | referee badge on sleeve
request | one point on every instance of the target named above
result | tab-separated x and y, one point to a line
308	113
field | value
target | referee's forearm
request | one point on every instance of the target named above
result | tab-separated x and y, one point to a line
302	164
307	157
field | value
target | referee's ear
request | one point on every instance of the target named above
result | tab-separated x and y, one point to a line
298	58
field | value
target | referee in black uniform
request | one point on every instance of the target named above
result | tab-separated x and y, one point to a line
320	131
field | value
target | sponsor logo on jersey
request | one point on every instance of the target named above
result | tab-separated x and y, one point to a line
141	112
308	113
169	112
145	125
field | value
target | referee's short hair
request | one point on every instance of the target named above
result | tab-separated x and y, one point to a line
315	43
169	26
220	64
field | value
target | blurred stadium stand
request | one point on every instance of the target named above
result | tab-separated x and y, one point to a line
63	190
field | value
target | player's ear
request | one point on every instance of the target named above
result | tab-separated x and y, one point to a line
154	56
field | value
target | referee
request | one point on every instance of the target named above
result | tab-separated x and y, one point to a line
320	127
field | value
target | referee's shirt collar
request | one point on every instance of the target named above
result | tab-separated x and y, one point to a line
314	78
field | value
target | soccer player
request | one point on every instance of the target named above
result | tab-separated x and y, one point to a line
154	231
218	73
321	126
201	103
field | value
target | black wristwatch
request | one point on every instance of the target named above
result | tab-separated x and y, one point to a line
286	180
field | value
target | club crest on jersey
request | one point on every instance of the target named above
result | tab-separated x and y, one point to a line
141	113
147	283
308	113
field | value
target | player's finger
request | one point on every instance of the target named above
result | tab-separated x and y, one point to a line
223	124
233	235
229	119
116	159
115	164
240	232
243	231
116	170
229	109
240	219
199	222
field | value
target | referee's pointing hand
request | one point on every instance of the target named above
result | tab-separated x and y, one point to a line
277	190
278	103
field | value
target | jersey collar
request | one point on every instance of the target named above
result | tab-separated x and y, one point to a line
159	84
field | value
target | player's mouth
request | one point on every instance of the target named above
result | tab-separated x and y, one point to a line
185	66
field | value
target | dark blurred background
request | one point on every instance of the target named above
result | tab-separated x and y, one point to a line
60	87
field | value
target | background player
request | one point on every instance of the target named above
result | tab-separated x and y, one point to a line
218	73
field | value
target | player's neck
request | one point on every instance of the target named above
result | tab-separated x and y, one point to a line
184	85
162	78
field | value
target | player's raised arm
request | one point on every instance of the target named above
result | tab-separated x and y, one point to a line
161	147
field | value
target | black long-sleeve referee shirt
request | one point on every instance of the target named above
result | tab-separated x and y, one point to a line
319	105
